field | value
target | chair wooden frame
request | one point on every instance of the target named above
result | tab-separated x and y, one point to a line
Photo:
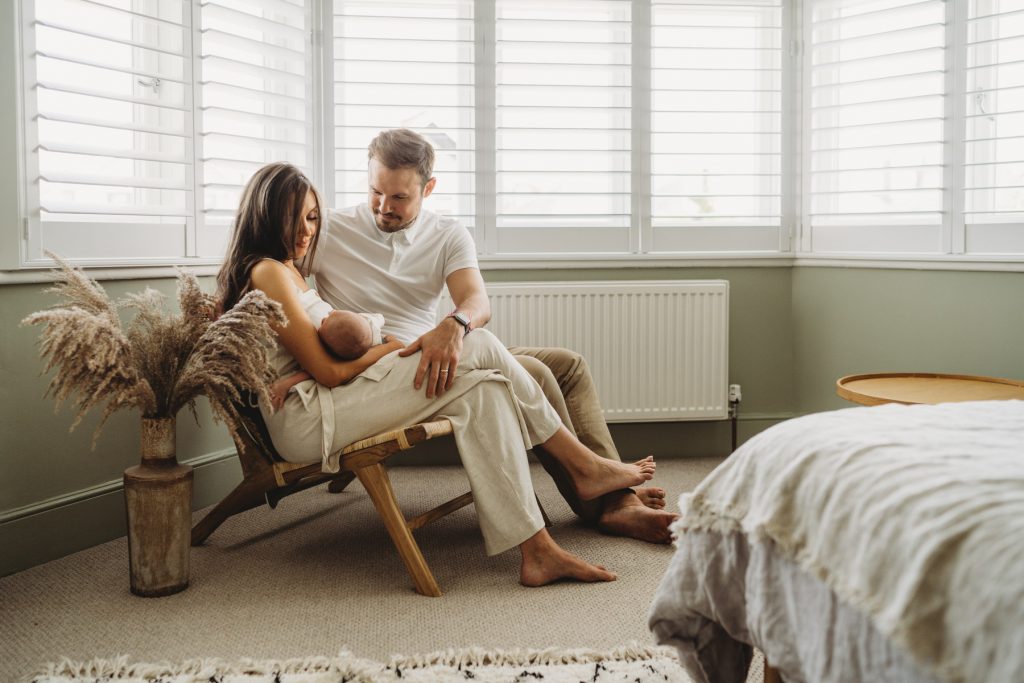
267	478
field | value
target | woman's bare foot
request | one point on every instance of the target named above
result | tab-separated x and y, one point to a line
600	476
626	515
544	562
652	496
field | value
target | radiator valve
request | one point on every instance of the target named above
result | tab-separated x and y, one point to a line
735	393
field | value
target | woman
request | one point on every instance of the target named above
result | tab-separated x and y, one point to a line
496	409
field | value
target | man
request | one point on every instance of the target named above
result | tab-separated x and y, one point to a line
393	257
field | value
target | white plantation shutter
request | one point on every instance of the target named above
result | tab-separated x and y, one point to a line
407	64
563	124
994	131
108	127
256	102
716	125
876	89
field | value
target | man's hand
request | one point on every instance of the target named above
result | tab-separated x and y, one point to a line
441	349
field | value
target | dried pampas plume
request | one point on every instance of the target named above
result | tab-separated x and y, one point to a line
162	361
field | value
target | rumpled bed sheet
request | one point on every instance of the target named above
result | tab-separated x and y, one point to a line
911	516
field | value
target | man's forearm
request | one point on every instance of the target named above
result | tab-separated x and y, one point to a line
477	307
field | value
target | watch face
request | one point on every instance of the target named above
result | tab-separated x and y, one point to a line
462	319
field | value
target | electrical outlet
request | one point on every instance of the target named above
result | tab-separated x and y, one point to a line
735	393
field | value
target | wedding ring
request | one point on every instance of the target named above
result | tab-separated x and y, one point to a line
444	372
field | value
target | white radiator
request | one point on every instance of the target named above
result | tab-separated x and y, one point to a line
658	350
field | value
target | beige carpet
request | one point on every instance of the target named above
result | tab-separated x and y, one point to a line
319	575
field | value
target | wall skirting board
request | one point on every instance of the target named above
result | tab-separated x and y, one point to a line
60	526
79	520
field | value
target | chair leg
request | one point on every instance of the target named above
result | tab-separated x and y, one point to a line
376	482
338	484
245	496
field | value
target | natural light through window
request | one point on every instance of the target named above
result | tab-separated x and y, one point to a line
877	107
406	65
995	113
114	133
716	116
587	130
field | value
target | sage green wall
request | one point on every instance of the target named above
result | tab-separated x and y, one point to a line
854	320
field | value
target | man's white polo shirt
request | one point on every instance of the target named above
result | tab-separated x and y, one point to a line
357	267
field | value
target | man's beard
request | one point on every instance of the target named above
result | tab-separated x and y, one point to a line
391	227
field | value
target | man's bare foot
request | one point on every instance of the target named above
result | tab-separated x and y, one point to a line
626	515
603	476
652	496
544	562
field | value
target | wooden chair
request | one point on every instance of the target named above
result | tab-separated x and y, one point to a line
267	478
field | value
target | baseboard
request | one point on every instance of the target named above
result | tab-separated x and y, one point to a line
60	526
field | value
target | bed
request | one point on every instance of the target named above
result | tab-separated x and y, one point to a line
867	544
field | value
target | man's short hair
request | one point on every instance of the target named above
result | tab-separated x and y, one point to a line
403	148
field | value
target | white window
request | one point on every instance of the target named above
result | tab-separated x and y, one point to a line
405	65
716	126
914	128
109	128
605	129
994	128
876	110
255	103
562	130
586	127
144	118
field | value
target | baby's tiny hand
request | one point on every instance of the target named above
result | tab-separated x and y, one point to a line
276	399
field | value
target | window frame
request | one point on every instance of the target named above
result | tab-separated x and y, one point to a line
26	240
795	237
954	234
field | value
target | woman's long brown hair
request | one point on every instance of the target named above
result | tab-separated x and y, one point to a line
268	220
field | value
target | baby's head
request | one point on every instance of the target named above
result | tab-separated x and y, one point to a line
347	334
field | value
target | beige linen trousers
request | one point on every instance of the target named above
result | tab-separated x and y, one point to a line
497	410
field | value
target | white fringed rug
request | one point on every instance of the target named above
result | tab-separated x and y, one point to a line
625	664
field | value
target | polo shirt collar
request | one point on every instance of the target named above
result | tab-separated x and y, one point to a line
408	236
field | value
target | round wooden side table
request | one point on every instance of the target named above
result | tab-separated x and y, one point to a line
924	387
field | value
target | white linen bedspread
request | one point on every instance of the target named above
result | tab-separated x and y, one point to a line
912	514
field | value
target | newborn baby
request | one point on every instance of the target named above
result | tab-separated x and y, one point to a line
349	335
346	334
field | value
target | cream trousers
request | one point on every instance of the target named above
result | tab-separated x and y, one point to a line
497	410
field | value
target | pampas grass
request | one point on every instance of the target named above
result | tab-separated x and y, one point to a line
161	361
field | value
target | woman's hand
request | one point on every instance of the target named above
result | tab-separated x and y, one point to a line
441	349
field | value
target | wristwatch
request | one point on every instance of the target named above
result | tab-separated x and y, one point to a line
462	319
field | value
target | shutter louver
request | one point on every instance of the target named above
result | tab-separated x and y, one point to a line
255	101
563	126
994	131
406	64
110	166
716	125
877	114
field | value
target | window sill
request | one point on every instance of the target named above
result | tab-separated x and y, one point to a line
1001	263
595	261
